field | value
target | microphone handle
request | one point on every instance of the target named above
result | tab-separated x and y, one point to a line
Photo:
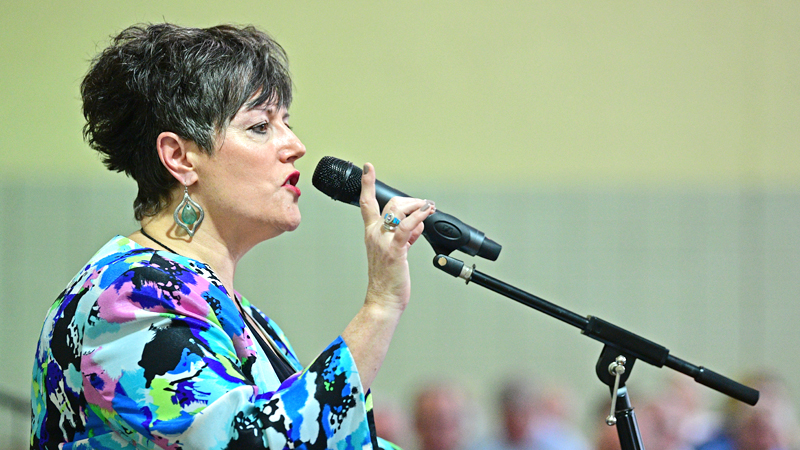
444	232
384	193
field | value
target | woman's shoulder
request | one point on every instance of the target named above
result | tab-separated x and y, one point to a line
124	269
121	251
117	256
123	260
125	282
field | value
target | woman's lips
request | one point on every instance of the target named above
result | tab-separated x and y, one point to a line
291	182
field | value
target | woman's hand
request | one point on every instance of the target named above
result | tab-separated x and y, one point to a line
387	251
369	333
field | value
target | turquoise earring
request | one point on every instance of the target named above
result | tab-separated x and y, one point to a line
188	215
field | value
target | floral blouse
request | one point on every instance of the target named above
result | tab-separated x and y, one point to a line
146	349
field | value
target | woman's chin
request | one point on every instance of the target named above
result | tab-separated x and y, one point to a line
288	220
293	226
292	223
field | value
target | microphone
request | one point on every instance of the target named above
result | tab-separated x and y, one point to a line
341	180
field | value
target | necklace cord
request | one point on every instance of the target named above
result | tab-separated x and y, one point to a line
157	241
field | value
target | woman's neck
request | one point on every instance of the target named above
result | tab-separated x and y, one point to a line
206	246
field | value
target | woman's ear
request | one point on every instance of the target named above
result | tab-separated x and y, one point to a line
173	151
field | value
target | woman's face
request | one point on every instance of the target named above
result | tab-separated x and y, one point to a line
249	184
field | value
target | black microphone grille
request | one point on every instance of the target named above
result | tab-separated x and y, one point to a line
338	179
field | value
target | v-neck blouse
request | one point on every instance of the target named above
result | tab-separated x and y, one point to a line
146	348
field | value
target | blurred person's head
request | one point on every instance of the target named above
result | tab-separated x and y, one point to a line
659	424
391	422
769	425
518	402
440	417
606	437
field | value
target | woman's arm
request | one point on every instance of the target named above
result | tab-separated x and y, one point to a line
369	333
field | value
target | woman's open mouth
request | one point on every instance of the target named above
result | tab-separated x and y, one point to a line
291	182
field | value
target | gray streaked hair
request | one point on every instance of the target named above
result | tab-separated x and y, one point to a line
190	81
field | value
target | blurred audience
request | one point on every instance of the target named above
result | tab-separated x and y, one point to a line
532	417
535	419
555	425
677	417
440	417
392	422
770	425
605	436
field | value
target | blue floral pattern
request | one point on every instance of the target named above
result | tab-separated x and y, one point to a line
146	349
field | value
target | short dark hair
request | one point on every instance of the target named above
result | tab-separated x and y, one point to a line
190	81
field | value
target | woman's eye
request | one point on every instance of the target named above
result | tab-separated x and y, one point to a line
260	128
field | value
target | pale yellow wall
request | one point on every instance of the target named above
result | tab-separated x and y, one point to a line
638	161
497	92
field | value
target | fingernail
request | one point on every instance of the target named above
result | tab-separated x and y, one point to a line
428	204
366	169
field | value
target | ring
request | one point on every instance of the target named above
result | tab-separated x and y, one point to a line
390	222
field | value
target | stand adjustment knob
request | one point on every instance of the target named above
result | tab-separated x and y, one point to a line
616	368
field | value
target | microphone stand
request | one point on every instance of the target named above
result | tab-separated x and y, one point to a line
621	349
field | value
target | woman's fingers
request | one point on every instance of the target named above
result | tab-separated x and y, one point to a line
411	212
415	211
370	211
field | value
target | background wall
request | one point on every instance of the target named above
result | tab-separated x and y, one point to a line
637	160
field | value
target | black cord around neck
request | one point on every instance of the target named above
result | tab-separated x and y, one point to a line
157	241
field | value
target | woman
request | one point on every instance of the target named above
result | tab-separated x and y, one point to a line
150	345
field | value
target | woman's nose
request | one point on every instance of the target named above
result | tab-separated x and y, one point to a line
294	148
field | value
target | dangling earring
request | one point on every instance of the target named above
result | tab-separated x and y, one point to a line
188	215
